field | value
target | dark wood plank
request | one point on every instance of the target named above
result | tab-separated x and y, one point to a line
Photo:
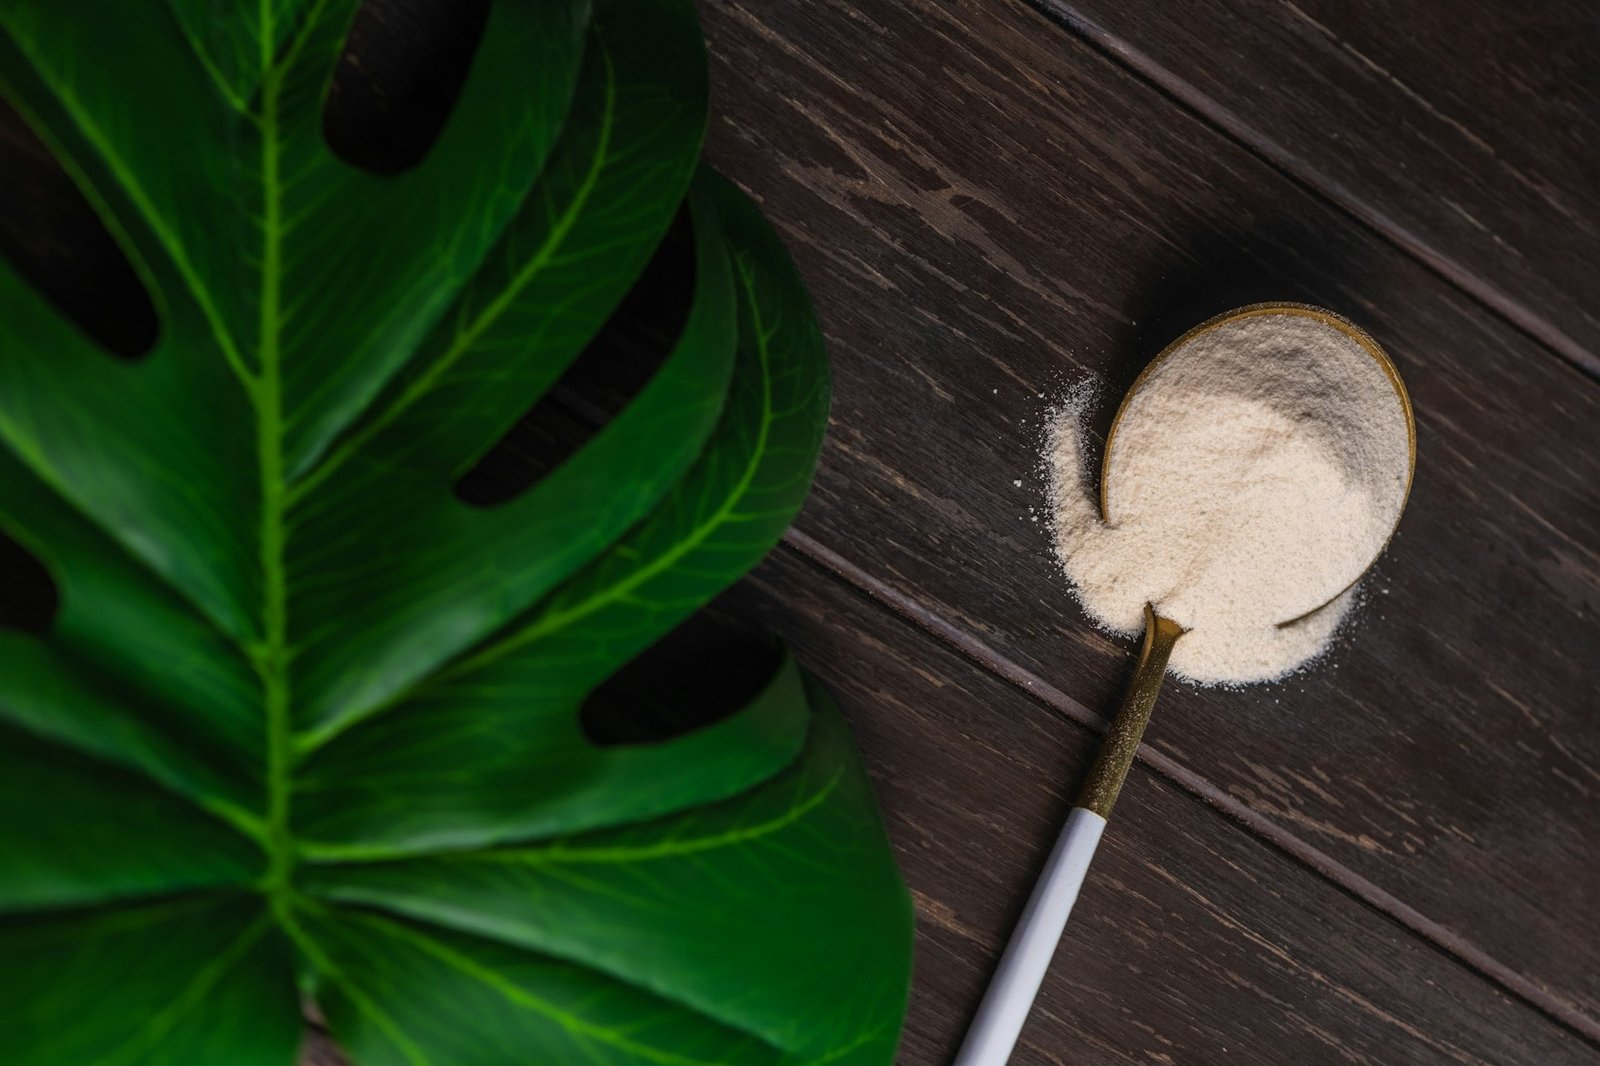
319	1050
983	209
1192	942
1468	132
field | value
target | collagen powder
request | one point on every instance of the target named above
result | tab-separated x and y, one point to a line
1256	470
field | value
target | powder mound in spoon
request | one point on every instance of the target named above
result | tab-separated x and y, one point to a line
1256	470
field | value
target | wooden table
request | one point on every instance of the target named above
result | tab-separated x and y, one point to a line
1391	858
1394	857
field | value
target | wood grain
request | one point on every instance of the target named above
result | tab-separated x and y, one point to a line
986	216
1468	134
320	1050
1192	942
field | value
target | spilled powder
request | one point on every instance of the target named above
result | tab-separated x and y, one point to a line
1256	472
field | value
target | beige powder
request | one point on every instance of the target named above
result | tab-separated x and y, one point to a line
1256	472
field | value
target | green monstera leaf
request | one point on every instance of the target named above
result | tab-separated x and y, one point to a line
307	725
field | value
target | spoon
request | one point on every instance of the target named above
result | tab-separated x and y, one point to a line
1016	981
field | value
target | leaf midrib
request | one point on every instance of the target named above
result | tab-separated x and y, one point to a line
271	656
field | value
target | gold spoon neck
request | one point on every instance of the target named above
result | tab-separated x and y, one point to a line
1121	743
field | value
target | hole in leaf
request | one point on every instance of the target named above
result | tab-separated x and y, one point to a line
540	441
403	68
639	334
618	363
29	598
695	676
57	242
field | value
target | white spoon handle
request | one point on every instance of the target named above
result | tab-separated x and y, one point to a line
1005	1006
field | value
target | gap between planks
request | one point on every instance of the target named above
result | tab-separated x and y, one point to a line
1231	125
1446	940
